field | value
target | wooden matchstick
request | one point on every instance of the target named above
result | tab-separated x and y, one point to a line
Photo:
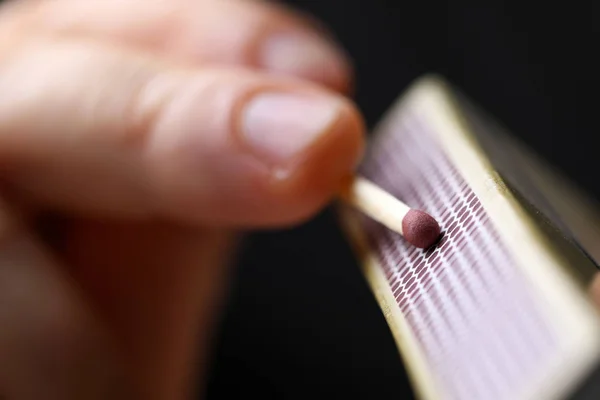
417	227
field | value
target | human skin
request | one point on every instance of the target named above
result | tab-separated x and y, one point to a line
137	139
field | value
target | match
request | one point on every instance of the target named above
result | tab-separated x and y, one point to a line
417	227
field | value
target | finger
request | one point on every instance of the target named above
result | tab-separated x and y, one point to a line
51	345
103	131
240	32
595	290
160	287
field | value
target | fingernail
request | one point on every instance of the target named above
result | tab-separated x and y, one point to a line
279	126
305	56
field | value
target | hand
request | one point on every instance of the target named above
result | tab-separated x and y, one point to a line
136	138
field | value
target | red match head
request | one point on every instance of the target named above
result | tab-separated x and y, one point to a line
420	229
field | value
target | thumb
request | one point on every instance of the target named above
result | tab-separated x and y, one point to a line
96	129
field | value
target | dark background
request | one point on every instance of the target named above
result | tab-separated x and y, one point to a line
301	322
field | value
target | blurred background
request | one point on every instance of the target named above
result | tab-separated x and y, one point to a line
301	321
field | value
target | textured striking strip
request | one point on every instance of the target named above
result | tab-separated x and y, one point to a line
466	302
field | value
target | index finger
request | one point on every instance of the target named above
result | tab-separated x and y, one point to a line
232	32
